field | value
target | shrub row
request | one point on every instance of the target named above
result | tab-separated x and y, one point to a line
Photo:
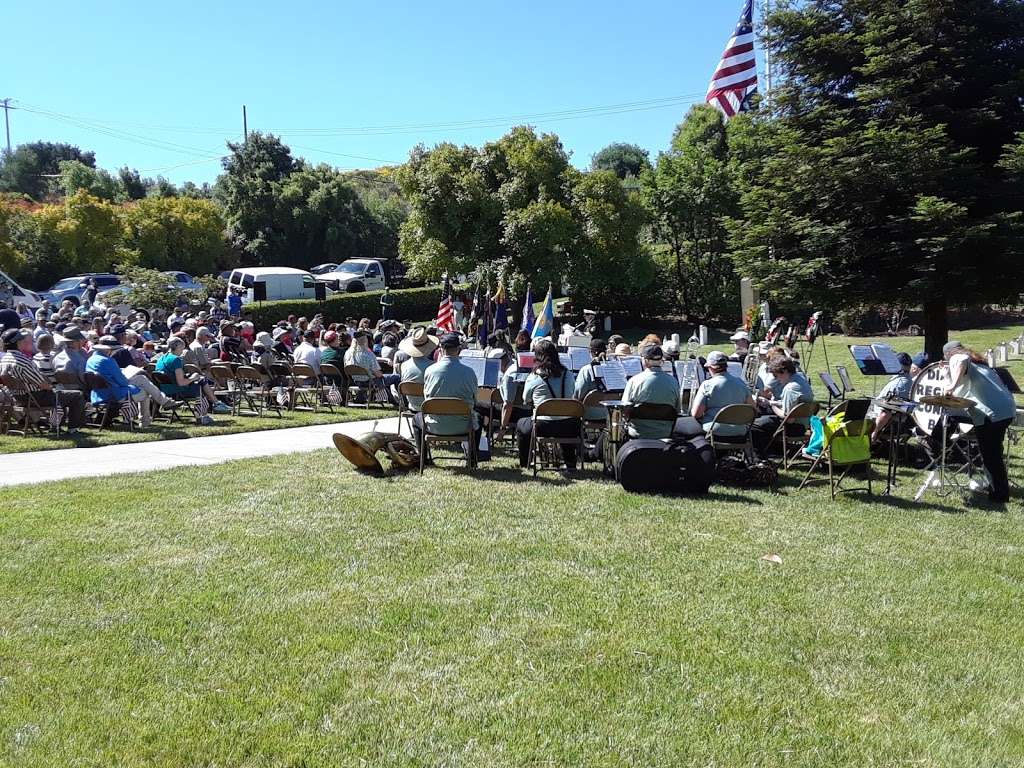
409	304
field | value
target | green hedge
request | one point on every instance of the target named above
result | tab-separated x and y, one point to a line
409	304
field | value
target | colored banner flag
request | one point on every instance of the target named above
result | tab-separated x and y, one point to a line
500	306
528	316
545	324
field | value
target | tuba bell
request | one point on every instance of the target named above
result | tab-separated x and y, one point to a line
361	451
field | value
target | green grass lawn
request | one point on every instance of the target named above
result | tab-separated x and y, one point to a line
288	611
162	430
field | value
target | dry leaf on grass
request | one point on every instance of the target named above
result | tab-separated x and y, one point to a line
772	558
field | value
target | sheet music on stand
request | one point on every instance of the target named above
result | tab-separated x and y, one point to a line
689	373
632	365
566	360
486	370
580	357
830	384
875	359
844	376
471	353
735	369
613	374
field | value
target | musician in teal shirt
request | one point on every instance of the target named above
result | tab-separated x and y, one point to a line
549	379
652	385
587	381
448	378
720	390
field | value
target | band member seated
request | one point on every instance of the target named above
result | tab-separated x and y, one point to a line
720	389
971	377
783	370
587	380
448	377
766	385
652	385
899	386
420	348
508	386
741	342
549	379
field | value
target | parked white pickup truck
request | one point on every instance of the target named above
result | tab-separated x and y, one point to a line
355	275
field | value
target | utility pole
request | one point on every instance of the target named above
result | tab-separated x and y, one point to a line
245	126
7	122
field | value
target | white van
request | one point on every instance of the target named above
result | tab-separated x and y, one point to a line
13	294
273	283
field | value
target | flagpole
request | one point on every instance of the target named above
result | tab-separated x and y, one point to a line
766	10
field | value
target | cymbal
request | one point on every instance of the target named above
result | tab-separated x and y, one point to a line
951	402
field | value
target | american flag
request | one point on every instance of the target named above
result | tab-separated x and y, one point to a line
735	78
445	311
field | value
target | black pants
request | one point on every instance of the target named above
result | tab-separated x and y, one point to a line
990	442
763	429
554	428
71	400
417	429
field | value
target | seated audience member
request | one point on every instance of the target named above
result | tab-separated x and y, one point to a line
118	388
40	327
652	385
332	352
171	364
549	379
359	354
197	353
16	362
230	348
448	377
587	380
282	344
308	353
420	348
44	358
783	370
719	390
72	358
741	344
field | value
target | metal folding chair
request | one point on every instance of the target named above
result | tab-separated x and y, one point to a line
740	415
850	429
407	389
447	406
798	411
562	407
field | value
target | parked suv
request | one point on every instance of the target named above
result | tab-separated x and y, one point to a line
72	288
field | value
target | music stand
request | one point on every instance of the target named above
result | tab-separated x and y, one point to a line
1007	378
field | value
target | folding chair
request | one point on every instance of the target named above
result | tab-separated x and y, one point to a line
556	406
253	381
281	372
740	415
160	378
592	428
649	412
24	401
855	438
306	386
332	376
358	384
447	406
107	411
225	385
407	389
798	411
70	380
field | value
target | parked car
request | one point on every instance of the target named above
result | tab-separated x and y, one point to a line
321	269
13	294
274	283
72	288
355	275
183	281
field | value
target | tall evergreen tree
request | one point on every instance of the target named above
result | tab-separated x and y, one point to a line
880	177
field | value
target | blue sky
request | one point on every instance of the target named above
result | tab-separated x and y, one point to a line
159	86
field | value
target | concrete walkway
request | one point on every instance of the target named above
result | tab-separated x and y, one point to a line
67	463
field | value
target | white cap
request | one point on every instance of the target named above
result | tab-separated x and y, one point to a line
740	335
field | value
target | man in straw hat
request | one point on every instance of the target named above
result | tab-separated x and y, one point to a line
420	347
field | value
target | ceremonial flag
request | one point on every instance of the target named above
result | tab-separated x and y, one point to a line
445	311
735	80
528	316
546	321
474	315
484	329
500	306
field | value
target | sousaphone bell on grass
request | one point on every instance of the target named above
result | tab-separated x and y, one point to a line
361	451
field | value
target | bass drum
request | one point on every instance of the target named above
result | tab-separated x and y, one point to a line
933	380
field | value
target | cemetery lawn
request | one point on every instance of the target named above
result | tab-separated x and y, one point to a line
288	611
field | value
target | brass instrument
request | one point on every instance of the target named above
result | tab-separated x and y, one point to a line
750	365
361	451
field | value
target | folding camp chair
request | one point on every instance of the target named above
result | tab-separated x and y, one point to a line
107	411
25	403
407	389
847	447
160	378
225	385
309	394
332	376
740	415
359	385
447	406
798	411
544	451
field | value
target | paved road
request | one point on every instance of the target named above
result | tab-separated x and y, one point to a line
63	464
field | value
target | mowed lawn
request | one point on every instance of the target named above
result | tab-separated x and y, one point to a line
288	611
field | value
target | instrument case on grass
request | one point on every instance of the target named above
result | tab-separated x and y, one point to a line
666	466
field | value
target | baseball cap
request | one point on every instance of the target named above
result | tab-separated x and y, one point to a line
13	337
905	360
740	336
117	330
716	359
450	340
73	333
330	336
951	345
920	359
652	352
204	331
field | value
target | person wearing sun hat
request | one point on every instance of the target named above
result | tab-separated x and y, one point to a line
420	347
741	342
